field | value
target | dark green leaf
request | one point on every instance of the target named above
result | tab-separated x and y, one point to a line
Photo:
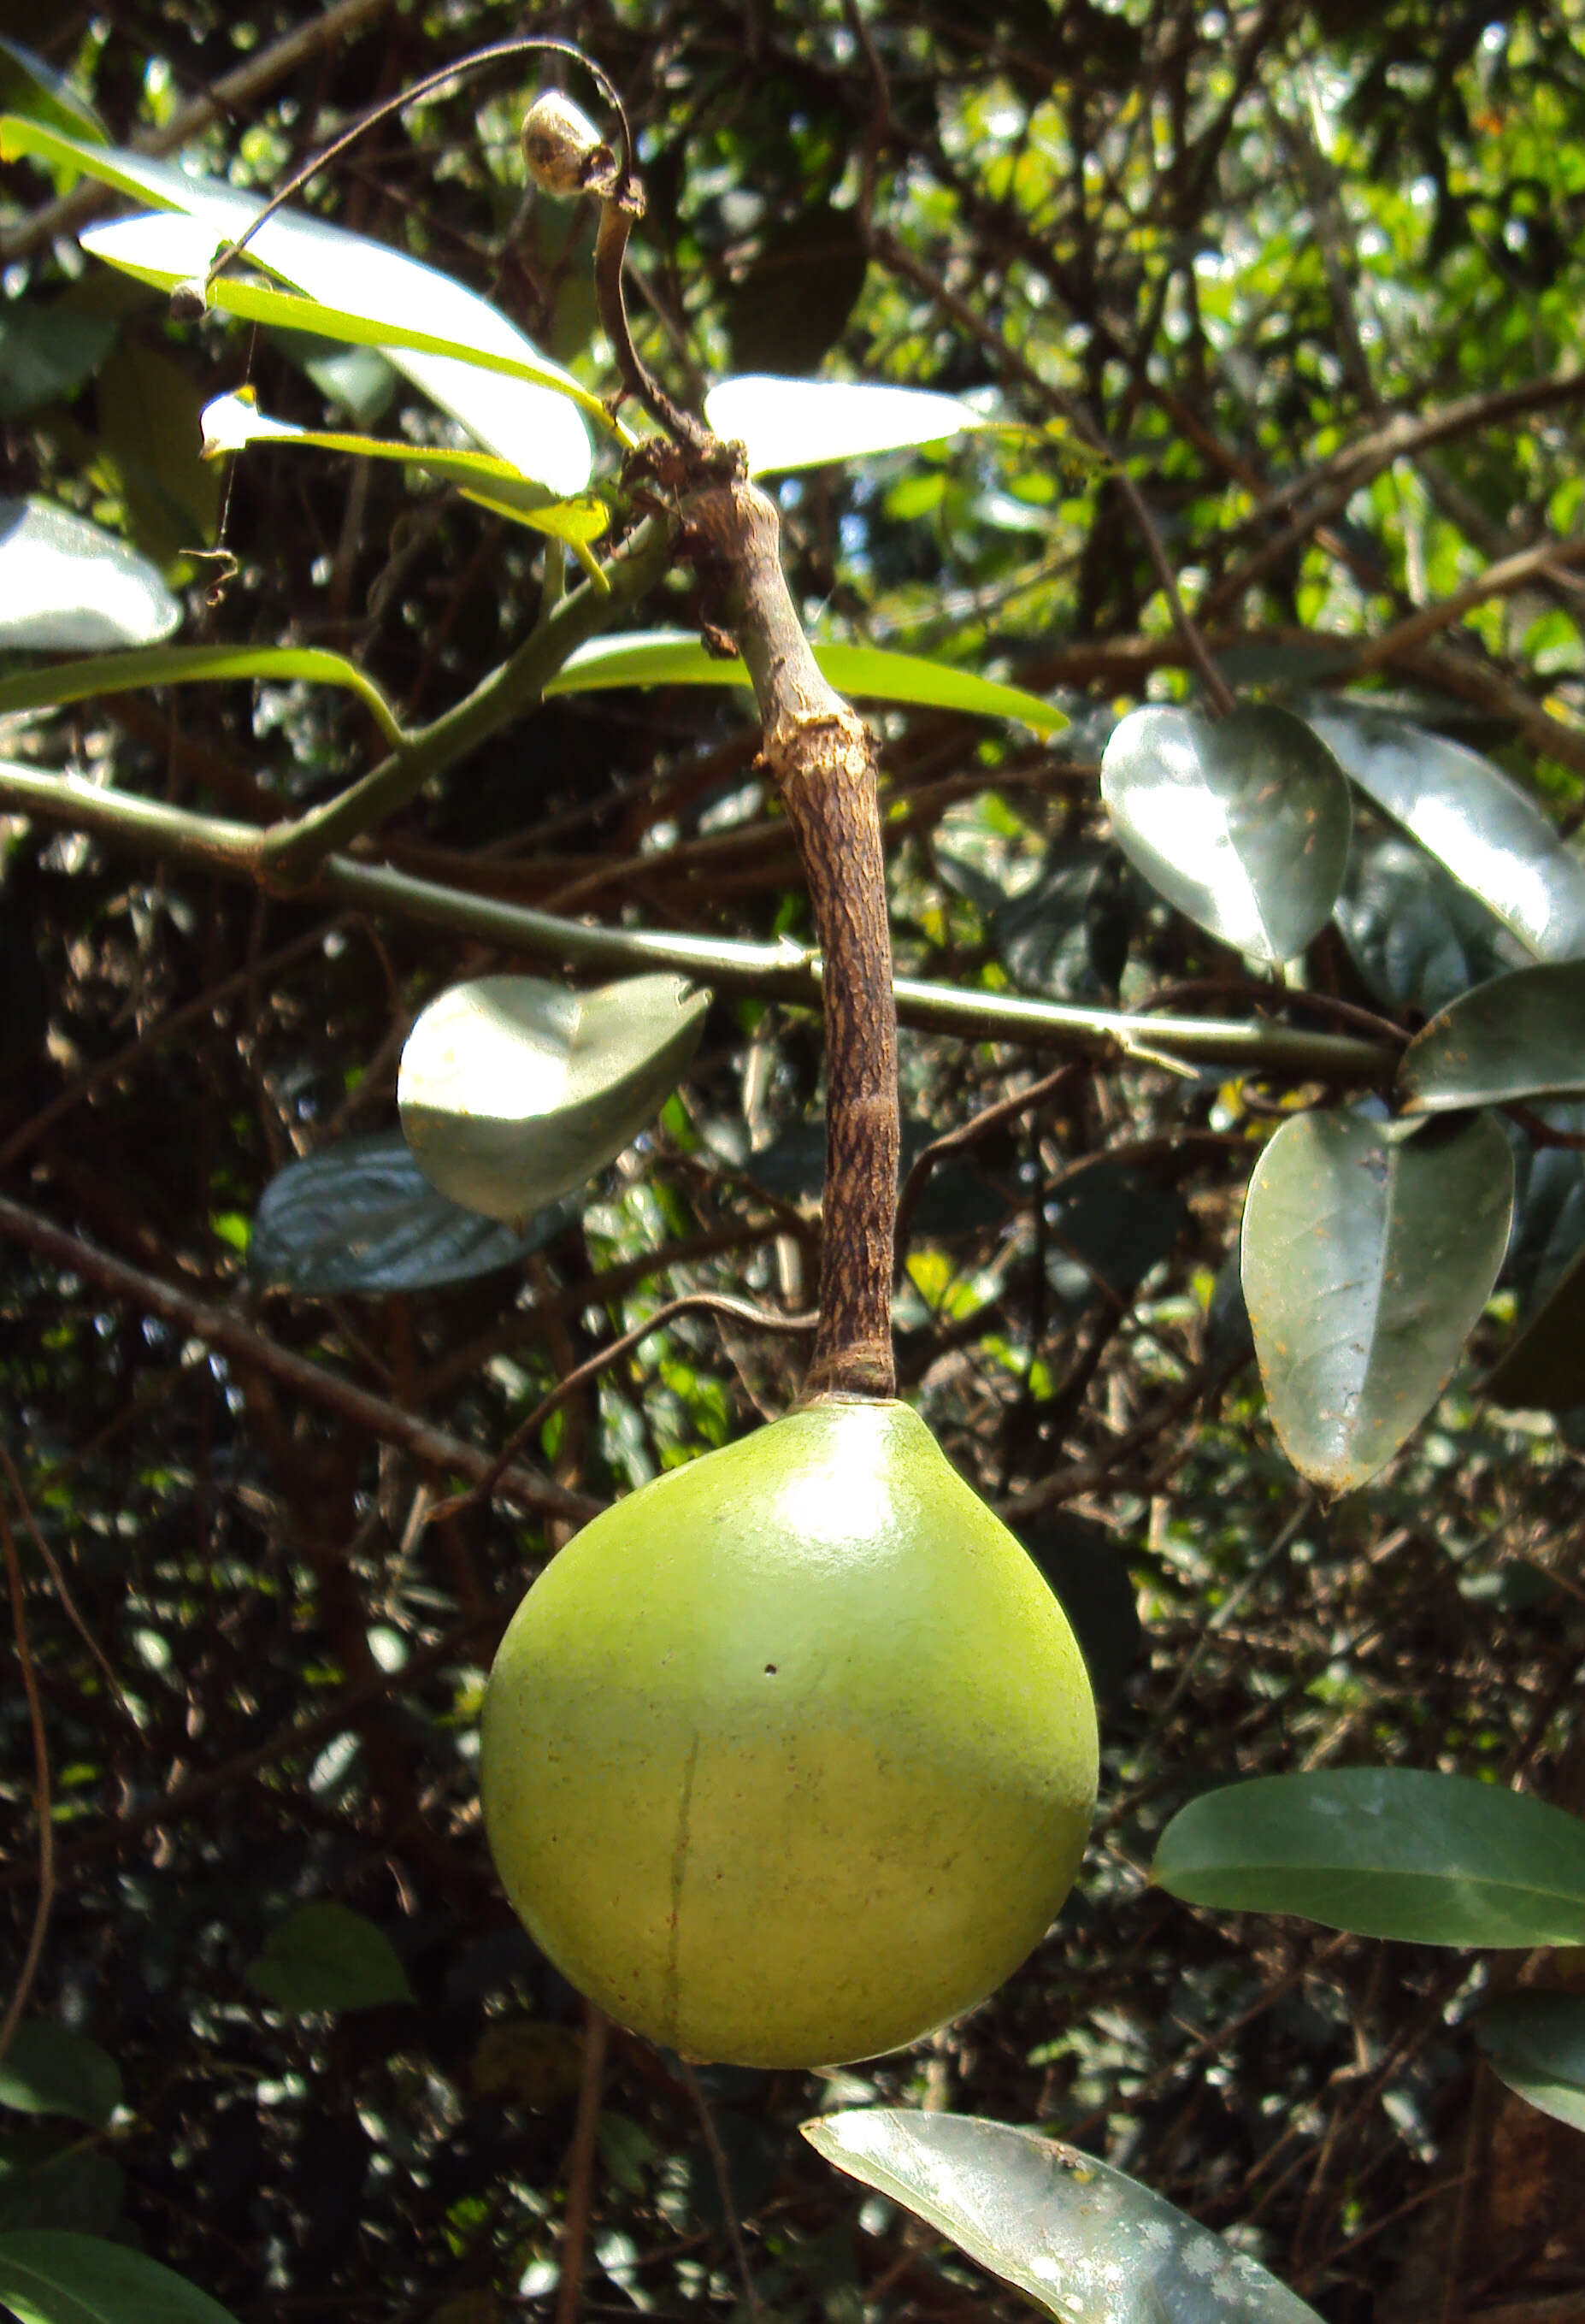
1544	1369
327	1957
1417	939
1367	1257
1384	1852
360	1215
1110	1224
29	86
46	353
514	1091
1066	935
57	2183
150	441
50	2069
1490	835
789	309
47	2277
1090	1574
1536	2043
69	586
1520	1036
1241	822
1080	2239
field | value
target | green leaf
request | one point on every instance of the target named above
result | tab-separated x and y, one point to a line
1536	2043
76	681
1241	822
673	657
1544	1369
50	2069
231	422
537	428
1088	1571
149	446
54	2179
66	584
327	1957
1110	1224
1462	810
360	1215
1415	935
1384	1852
31	87
1367	1257
49	2277
792	306
1520	1036
803	423
513	1091
47	350
1080	2239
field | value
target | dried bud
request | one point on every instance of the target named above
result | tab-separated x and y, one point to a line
562	149
189	300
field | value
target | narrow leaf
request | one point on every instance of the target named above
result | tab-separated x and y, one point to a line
29	86
66	584
1242	822
802	423
1536	2043
48	2276
673	657
1384	1852
1080	2239
78	681
1466	813
513	1091
1367	1257
50	2069
327	1957
1519	1035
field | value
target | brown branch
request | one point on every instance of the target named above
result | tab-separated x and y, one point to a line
43	1811
580	2168
1497	581
1007	1108
245	1345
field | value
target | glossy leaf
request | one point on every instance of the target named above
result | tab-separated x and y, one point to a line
1368	1256
1080	2239
50	2069
327	1957
360	1215
1536	2043
1384	1852
29	86
1416	936
50	2277
79	681
514	1091
1519	1035
233	421
538	430
673	657
1241	822
68	586
803	423
1466	813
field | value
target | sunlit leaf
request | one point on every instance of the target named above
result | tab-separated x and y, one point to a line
1519	1035
49	2277
802	423
79	681
1080	2239
673	657
50	2069
1536	2043
514	1091
539	430
360	1215
1242	822
1367	1257
325	1956
1384	1852
29	86
1467	814
1416	936
67	584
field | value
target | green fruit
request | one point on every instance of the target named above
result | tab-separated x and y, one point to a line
790	1756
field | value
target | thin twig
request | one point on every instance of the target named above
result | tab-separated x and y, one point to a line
1007	1108
580	2168
52	1565
724	2187
43	1809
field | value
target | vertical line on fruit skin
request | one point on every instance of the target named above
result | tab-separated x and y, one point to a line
679	1865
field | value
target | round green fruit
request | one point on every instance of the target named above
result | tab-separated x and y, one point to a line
790	1755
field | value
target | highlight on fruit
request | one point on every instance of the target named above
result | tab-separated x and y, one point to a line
790	1755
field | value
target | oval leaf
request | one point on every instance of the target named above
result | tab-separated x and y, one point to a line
68	586
327	1957
673	657
360	1215
1367	1257
1462	810
49	2277
1536	2043
513	1091
802	423
50	2069
1242	822
1082	2240
1384	1852
1519	1035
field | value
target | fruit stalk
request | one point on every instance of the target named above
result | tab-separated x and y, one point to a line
821	756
